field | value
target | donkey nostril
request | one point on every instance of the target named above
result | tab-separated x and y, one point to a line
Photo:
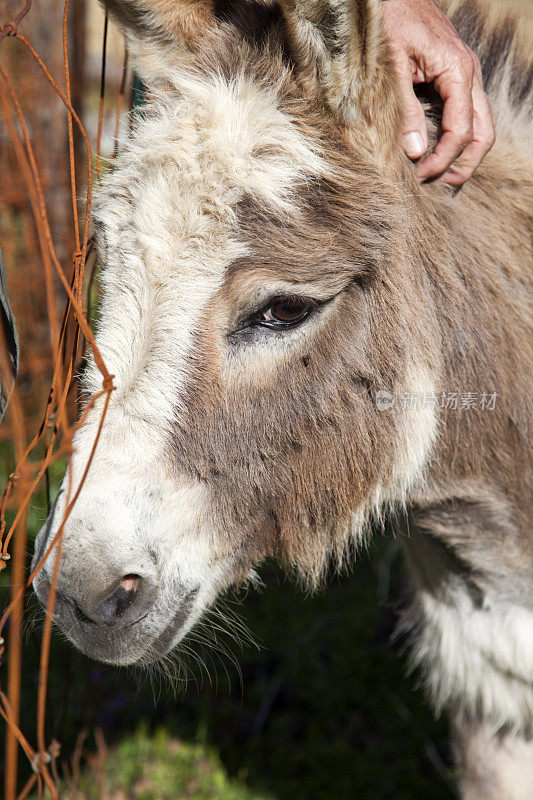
129	583
115	606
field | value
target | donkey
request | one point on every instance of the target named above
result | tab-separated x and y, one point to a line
305	342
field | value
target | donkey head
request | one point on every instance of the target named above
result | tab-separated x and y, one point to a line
256	280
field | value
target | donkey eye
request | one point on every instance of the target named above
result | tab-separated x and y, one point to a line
285	312
279	314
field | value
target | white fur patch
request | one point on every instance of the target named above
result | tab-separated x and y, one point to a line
169	232
417	432
479	660
497	768
167	212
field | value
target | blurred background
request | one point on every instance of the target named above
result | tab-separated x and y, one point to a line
283	696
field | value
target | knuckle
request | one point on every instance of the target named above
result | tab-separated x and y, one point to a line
455	61
465	174
458	175
488	138
465	134
463	61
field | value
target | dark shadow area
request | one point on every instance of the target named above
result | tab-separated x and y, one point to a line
324	710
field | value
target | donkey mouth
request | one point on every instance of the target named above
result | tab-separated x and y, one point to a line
166	640
133	643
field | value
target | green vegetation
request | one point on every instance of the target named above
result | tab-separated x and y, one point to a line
145	767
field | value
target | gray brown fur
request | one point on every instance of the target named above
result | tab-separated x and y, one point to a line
422	282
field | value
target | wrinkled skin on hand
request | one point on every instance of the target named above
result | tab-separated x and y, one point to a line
427	49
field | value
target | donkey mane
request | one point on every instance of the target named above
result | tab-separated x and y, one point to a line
506	59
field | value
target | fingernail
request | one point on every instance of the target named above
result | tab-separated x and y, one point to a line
414	144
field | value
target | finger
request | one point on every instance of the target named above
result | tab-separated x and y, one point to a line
483	139
414	128
464	166
455	88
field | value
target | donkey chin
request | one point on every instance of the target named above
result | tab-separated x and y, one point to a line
117	599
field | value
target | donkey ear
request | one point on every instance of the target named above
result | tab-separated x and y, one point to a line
335	45
156	30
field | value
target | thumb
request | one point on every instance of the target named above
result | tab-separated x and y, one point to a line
415	135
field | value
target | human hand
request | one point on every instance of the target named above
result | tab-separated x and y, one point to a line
427	49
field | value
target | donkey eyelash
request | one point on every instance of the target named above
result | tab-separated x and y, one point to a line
280	313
